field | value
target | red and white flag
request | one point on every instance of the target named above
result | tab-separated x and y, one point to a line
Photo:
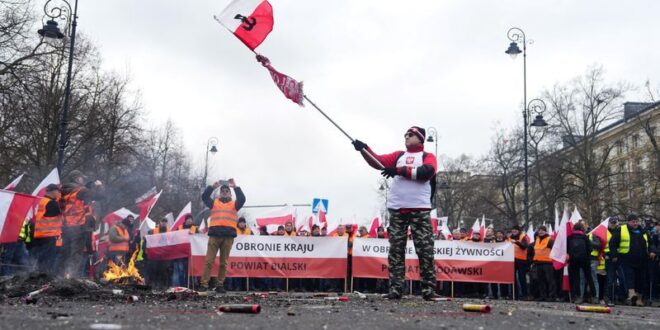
434	221
146	202
292	89
323	220
476	228
118	215
559	252
530	233
52	178
375	223
13	208
275	218
601	232
168	246
444	228
12	185
181	218
249	20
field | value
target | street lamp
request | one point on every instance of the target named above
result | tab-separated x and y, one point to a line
51	31
384	187
516	35
210	147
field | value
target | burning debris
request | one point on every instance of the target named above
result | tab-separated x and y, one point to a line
123	275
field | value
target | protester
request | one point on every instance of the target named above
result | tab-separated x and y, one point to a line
119	238
222	229
380	232
316	231
77	200
280	231
630	244
538	254
242	228
520	243
409	205
289	230
579	250
180	266
324	231
47	230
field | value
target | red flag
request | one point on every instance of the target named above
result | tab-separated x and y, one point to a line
145	204
187	210
12	186
273	219
601	232
13	208
249	20
373	231
292	89
323	221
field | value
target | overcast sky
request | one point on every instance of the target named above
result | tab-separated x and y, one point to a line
376	67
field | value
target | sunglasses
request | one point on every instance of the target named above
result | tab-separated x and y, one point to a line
224	190
409	134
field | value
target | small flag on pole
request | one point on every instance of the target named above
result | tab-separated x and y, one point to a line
249	20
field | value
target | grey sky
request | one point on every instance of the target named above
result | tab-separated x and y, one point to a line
376	67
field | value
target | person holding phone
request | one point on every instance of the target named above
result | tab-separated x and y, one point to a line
223	222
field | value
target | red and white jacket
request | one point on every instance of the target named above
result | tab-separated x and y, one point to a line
411	187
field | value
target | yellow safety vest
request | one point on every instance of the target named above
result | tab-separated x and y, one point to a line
624	246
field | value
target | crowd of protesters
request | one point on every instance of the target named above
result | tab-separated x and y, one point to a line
623	268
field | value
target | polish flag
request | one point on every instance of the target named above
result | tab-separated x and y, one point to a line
52	178
476	228
375	223
203	227
13	208
146	202
601	232
482	227
12	186
249	20
559	253
146	225
168	246
556	226
530	233
323	220
118	215
444	228
275	218
181	218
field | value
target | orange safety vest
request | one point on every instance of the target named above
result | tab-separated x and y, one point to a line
192	229
519	253
157	230
121	246
541	250
293	233
74	210
46	226
247	231
223	214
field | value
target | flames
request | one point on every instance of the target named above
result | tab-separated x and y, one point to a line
123	274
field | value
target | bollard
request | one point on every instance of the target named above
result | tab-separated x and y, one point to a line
240	308
476	308
336	298
593	309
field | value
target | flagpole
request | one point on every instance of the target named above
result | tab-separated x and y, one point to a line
364	151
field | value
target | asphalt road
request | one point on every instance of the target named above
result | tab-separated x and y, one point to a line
104	310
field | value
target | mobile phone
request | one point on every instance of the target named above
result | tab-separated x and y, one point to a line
224	182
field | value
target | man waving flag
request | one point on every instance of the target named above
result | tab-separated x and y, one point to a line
249	20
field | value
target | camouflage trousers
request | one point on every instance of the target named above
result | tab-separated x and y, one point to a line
422	234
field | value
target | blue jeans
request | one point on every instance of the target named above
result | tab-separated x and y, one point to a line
180	272
594	277
521	279
614	276
14	254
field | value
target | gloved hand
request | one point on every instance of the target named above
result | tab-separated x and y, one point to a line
359	145
388	172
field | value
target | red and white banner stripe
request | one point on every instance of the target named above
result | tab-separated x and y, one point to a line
168	246
454	260
277	256
13	208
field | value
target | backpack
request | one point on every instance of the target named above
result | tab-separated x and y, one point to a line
577	248
431	180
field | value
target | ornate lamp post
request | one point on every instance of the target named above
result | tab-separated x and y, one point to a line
516	36
51	31
210	147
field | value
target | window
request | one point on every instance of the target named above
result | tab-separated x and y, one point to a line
619	147
635	140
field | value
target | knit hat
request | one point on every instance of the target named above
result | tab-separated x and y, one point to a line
420	132
52	187
544	228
